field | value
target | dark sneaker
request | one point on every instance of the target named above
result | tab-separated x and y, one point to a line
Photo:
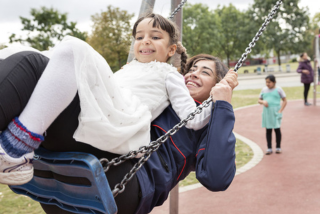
15	171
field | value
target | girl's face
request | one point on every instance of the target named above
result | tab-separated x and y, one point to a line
270	84
152	43
200	79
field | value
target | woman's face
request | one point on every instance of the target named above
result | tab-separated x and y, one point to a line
305	56
200	79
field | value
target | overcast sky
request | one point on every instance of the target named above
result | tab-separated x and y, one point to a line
81	10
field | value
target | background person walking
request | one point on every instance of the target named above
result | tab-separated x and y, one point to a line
306	75
270	98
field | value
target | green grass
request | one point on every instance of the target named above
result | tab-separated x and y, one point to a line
11	203
250	96
250	68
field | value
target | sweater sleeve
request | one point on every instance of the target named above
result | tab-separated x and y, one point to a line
215	161
300	68
183	104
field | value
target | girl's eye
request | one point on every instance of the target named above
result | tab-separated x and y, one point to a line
139	38
155	38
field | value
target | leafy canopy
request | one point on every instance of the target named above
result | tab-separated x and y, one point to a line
46	26
111	35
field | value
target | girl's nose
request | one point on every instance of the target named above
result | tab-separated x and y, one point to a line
146	41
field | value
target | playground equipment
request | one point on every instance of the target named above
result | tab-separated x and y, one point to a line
315	67
96	196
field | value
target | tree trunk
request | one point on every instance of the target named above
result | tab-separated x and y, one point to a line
278	55
228	60
119	61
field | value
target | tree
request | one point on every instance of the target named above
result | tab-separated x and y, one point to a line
224	32
111	35
2	46
47	26
198	29
234	31
289	29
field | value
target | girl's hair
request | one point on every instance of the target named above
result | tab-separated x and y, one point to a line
220	67
301	55
168	26
271	77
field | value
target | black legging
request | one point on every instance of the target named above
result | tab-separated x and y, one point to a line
19	74
306	91
269	137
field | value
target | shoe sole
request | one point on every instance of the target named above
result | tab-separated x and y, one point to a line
16	178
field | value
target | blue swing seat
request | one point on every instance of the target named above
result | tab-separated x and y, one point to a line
95	197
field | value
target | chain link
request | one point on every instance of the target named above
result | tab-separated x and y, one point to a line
154	145
177	9
257	36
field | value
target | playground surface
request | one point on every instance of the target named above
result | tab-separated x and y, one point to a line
287	183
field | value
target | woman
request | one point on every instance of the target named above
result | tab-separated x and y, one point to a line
307	73
186	151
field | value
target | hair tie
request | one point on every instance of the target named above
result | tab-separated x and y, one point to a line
180	48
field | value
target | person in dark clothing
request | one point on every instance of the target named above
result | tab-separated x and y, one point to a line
306	71
209	151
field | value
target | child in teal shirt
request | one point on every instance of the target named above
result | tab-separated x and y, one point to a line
270	98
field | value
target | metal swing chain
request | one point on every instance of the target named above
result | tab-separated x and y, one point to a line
177	9
154	145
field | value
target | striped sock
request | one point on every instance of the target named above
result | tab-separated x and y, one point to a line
17	140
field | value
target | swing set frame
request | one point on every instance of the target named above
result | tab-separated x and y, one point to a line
97	197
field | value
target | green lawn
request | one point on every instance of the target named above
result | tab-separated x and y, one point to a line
250	68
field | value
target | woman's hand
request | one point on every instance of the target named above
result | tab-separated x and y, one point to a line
305	71
221	91
232	78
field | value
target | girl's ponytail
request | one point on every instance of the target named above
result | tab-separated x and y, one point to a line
183	52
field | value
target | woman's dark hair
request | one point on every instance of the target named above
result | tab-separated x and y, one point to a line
168	26
220	67
271	77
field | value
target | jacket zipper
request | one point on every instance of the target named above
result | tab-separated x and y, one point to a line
164	164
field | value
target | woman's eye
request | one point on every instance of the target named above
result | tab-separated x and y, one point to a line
155	38
205	72
139	38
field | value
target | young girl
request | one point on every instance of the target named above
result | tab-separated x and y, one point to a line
116	109
270	98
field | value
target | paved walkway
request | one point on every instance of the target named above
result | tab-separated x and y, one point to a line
287	183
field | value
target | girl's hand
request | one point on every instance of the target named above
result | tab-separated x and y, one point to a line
221	91
265	103
232	78
305	71
280	112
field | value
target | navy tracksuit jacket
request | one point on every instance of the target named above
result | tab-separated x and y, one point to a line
209	151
